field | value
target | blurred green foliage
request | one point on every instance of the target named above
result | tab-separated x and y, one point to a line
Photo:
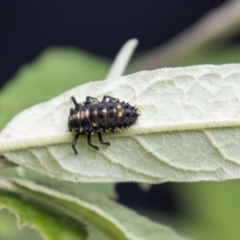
209	210
50	224
10	231
56	70
213	55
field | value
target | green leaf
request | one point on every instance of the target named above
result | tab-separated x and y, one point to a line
110	218
49	224
188	130
54	71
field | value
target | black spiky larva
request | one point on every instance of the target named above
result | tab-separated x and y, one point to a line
99	116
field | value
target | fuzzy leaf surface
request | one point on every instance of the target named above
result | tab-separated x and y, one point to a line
188	129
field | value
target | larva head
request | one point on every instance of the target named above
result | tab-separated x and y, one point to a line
74	119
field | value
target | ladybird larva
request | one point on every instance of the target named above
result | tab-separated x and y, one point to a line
99	116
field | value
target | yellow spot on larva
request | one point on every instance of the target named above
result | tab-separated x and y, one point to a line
120	114
139	111
119	106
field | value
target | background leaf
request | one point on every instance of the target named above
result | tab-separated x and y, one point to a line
49	224
104	189
110	218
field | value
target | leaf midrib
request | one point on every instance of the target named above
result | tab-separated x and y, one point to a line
43	141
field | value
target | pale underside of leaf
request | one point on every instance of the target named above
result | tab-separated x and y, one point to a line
189	129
